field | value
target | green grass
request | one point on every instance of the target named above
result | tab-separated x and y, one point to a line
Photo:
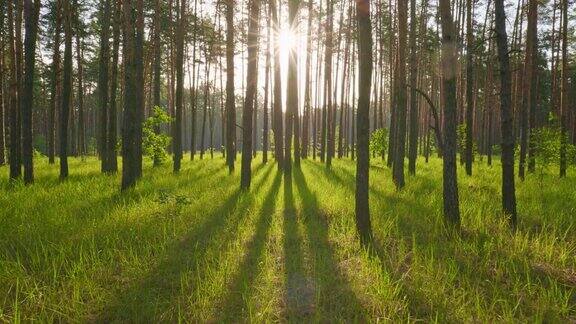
191	247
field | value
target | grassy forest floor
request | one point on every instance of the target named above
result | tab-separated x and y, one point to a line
192	247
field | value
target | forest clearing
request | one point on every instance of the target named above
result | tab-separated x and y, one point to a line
193	247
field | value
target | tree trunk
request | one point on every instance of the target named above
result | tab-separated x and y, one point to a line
469	149
329	117
103	86
31	12
564	91
508	189
363	123
249	100
292	95
230	99
14	130
277	110
450	184
133	14
66	90
413	139
265	134
399	154
112	112
177	131
54	100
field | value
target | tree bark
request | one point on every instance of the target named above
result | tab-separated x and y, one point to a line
66	90
230	99
450	184
177	131
362	208
133	14
31	12
508	187
400	145
249	99
469	149
103	86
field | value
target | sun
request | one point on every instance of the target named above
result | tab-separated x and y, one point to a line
287	40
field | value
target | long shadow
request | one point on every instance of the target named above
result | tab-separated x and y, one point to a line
336	295
242	284
155	294
299	291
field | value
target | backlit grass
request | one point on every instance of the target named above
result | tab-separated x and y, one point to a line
193	247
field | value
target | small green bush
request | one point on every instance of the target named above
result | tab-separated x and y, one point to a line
154	142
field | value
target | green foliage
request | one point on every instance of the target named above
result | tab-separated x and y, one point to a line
154	143
379	141
461	133
547	142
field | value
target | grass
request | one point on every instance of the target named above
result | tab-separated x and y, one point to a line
192	247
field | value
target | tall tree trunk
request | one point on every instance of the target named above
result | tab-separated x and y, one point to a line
413	139
291	95
532	87
508	188
564	91
308	85
205	106
31	12
112	109
469	149
2	93
278	126
14	130
193	85
399	154
230	99
103	86
66	90
80	99
328	118
529	94
362	209
177	131
54	100
265	134
249	99
450	184
133	14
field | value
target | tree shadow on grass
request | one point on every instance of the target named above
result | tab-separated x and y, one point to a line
298	289
154	297
242	284
471	253
335	296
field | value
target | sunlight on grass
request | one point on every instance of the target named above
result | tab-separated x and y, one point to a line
193	247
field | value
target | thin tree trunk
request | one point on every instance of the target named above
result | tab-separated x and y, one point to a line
413	139
54	100
177	131
564	91
249	100
103	86
265	134
66	90
230	98
469	149
277	110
